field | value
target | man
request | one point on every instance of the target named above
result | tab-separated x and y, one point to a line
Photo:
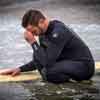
61	55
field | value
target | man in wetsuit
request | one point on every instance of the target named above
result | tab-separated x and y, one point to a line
61	55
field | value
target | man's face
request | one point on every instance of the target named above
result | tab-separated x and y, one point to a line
36	30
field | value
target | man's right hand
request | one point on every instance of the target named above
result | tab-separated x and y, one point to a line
29	37
10	71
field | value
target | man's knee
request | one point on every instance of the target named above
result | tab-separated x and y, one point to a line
56	77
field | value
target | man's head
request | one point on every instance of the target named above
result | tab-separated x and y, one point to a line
35	22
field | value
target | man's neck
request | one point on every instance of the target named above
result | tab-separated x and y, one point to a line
46	25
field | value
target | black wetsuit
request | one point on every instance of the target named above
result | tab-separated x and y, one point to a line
61	55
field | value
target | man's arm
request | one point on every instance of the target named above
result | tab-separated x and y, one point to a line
28	67
31	65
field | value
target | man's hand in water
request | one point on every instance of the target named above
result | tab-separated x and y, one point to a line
10	71
29	37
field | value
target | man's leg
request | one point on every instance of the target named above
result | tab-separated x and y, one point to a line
64	70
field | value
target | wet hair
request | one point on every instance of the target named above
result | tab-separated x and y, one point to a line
32	17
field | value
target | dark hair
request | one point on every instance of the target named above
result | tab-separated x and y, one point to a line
32	17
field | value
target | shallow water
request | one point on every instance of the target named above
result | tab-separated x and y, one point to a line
39	90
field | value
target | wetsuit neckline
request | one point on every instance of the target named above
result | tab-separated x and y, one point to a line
50	28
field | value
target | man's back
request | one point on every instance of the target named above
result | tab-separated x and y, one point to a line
74	48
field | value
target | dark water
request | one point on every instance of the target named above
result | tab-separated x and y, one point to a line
9	2
39	90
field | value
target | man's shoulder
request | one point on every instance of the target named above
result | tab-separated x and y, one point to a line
57	23
59	27
58	33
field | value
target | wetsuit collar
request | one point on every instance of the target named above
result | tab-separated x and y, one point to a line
49	29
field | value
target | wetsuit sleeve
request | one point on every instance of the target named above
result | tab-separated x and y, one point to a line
28	67
50	49
31	65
